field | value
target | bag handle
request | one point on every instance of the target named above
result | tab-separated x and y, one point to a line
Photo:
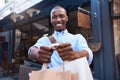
52	39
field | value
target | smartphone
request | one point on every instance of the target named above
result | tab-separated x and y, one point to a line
54	45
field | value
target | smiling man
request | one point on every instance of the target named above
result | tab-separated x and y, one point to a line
70	46
59	18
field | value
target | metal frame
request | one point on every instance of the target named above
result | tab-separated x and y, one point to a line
104	60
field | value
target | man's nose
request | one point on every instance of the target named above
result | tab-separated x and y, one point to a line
58	19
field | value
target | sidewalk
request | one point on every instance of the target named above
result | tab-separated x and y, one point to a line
10	77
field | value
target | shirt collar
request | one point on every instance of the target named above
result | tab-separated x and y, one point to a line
61	33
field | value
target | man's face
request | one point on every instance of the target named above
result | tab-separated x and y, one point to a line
59	19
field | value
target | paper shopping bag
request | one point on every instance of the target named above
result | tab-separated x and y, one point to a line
79	66
49	74
78	70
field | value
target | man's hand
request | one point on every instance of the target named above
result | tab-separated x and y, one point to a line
45	54
66	52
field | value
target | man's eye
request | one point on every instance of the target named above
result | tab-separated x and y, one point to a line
62	16
54	17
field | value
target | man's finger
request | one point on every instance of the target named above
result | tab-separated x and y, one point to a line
62	45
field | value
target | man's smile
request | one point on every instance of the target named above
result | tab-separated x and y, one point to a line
59	24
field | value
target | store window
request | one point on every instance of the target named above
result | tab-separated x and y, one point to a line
116	25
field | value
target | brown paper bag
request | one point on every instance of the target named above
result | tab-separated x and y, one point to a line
70	70
49	74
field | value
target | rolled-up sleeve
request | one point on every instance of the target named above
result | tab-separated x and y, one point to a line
90	56
82	45
40	42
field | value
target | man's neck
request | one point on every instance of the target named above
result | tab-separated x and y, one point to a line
60	30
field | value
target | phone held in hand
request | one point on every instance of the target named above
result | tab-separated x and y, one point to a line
54	45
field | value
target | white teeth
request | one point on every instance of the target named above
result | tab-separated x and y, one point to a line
58	24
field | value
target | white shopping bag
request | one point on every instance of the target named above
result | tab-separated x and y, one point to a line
79	66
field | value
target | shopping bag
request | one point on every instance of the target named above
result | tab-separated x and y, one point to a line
49	74
81	67
70	70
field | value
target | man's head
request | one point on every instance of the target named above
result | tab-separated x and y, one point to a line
59	18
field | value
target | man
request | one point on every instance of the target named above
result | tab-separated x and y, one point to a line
70	46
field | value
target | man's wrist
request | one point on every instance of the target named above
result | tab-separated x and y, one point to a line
33	53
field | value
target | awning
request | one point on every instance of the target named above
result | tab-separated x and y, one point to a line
44	7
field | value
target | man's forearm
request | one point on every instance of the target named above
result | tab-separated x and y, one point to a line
83	53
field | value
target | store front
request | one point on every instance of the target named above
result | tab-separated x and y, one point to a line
103	29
